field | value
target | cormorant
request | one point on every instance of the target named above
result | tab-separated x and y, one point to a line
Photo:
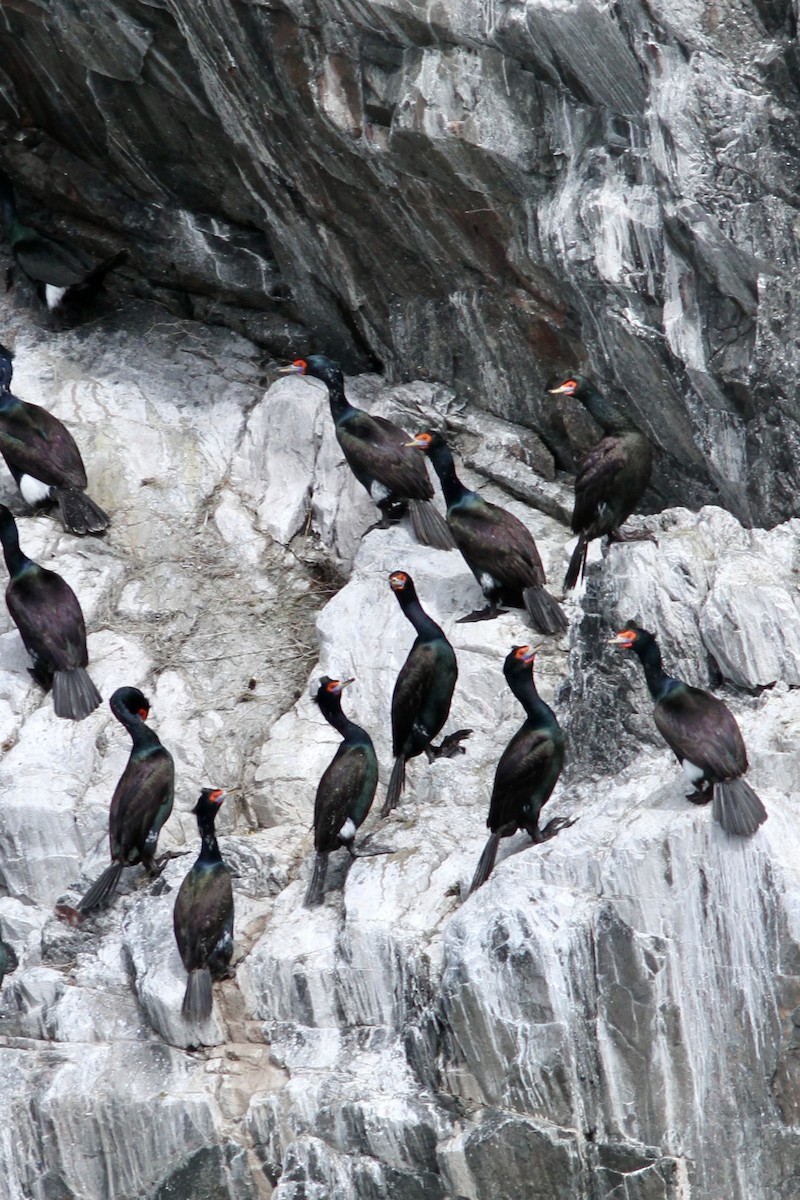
47	613
703	735
378	455
203	916
611	479
498	548
44	459
8	959
528	769
422	693
59	274
346	789
142	799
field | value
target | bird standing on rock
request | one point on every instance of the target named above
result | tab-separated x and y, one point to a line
703	735
378	455
611	479
141	803
47	613
496	546
203	915
44	459
60	275
528	769
346	789
422	693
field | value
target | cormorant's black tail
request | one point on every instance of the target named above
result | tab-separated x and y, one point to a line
430	527
485	863
79	512
396	783
93	281
315	892
737	807
74	694
197	999
544	612
577	564
101	889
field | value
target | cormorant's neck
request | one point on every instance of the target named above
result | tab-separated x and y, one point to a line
444	466
16	561
524	689
340	405
348	729
209	850
142	736
425	626
608	415
658	681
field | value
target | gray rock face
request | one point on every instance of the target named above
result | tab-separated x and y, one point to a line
612	1014
479	194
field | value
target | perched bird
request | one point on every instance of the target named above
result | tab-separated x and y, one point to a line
422	693
203	916
611	479
44	459
61	276
346	789
47	613
142	799
703	735
378	455
8	959
528	769
497	547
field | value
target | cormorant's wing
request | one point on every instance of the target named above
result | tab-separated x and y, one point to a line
698	726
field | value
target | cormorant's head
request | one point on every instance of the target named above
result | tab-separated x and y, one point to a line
426	441
523	654
632	637
399	581
331	687
209	801
573	385
132	700
318	366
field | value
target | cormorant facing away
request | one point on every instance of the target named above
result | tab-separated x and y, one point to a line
59	274
44	459
47	613
346	789
611	479
142	799
422	693
8	959
703	735
498	548
528	769
203	916
378	455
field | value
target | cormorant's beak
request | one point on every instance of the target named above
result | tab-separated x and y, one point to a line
292	369
621	639
420	444
343	683
562	390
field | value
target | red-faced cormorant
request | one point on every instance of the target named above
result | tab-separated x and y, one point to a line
703	735
497	547
203	916
422	693
378	455
528	769
611	479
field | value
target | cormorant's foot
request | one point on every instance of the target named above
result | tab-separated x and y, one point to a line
156	866
449	747
384	523
632	535
698	797
482	614
552	828
372	852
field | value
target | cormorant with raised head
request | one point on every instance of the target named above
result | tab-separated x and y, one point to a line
47	613
497	547
703	735
44	459
203	915
378	455
422	693
142	799
60	275
346	789
611	479
528	769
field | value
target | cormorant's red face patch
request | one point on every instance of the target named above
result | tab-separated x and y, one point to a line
144	713
398	580
625	638
423	440
216	796
524	653
300	365
333	686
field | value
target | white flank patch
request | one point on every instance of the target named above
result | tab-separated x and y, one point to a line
33	490
692	772
53	295
348	830
378	491
488	582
